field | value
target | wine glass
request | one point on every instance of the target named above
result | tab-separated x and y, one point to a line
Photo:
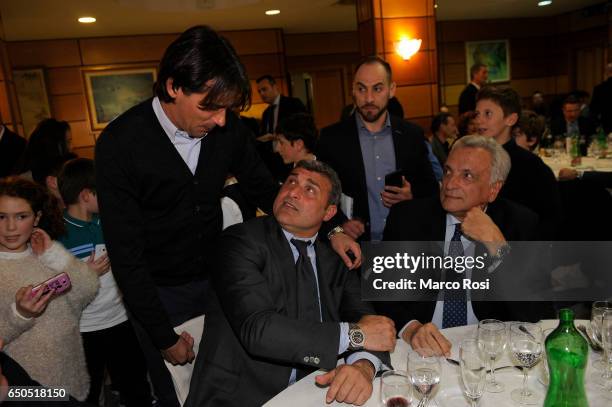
526	344
424	372
597	311
604	329
492	333
395	389
473	359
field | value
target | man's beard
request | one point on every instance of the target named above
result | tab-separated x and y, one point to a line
371	117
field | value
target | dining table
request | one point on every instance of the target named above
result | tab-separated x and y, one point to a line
557	162
449	393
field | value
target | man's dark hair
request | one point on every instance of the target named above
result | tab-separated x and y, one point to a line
476	68
299	126
328	172
532	125
503	96
571	100
268	78
200	55
371	60
439	120
75	176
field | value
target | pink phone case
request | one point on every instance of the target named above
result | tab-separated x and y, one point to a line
59	283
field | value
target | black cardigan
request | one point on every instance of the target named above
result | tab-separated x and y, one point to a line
159	219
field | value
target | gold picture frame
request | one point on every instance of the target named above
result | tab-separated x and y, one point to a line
112	91
32	97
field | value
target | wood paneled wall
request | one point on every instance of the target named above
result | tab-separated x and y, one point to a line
261	51
542	51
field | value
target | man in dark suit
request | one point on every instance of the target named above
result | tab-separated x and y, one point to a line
530	182
282	305
601	102
12	146
478	78
369	145
280	107
572	122
468	211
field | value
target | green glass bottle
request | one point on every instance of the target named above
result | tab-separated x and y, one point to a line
567	353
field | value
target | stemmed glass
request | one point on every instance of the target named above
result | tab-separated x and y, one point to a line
395	389
492	333
424	372
473	360
526	344
597	311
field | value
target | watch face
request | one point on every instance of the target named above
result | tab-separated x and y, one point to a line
357	337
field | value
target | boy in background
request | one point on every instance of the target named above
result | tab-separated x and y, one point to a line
108	337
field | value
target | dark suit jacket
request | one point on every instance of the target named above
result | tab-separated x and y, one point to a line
339	147
467	99
558	126
532	183
159	219
601	104
425	220
12	146
252	336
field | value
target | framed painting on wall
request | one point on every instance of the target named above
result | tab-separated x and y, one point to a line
32	96
494	54
112	91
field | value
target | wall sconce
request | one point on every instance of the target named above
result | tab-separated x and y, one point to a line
407	48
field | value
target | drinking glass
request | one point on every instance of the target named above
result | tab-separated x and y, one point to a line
597	311
473	360
605	329
492	333
526	345
395	389
545	378
424	372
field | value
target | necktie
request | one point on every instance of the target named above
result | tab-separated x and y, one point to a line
455	305
307	293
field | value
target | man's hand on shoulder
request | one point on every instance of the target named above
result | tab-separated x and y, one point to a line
427	336
341	243
379	332
351	384
181	352
353	228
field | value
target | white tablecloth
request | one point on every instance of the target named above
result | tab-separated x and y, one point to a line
588	164
449	394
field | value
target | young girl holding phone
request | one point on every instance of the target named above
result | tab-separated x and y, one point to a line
41	330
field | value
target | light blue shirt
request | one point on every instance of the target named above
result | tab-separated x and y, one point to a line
344	326
435	164
187	147
378	154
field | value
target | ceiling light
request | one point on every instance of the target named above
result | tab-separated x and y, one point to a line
544	3
272	12
406	48
87	20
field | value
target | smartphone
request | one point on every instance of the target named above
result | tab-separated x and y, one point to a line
394	178
100	250
59	283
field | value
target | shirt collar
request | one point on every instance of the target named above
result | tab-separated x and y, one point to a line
276	100
2	128
451	220
475	84
290	236
361	124
95	220
164	120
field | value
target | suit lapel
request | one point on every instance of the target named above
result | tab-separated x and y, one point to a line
353	149
401	152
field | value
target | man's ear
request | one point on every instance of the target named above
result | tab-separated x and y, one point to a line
170	88
51	182
495	188
392	88
299	144
330	212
